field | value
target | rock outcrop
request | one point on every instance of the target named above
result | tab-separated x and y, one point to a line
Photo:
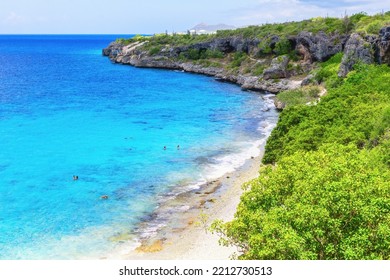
384	45
279	104
278	68
356	50
277	74
274	79
319	47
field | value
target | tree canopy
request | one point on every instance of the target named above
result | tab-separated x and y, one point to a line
325	191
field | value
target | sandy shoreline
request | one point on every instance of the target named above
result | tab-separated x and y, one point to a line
186	237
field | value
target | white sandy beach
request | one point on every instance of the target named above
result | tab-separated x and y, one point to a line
191	242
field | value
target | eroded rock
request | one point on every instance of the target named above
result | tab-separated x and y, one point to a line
278	68
356	50
384	45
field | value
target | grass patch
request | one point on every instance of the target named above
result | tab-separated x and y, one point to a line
299	96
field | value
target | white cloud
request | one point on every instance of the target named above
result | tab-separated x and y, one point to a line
278	11
14	19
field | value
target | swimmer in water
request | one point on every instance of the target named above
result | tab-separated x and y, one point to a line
165	147
75	177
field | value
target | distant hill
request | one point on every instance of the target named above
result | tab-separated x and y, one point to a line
205	28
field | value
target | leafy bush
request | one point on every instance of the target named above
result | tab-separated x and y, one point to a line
283	46
328	71
154	50
193	54
238	58
258	69
349	113
213	54
327	204
371	24
265	46
374	27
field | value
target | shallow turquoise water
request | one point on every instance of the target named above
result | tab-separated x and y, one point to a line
65	110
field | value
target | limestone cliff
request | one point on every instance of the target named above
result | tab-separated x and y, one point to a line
260	70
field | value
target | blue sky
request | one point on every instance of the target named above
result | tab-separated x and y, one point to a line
153	16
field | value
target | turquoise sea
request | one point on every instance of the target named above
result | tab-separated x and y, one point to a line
66	110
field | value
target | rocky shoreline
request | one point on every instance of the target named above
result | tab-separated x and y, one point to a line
279	73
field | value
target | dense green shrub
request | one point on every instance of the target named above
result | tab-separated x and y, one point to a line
349	113
193	54
328	71
265	46
283	46
327	196
154	50
213	54
238	58
333	203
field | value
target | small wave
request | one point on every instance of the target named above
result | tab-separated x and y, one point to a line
268	102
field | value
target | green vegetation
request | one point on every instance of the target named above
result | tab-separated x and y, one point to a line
274	40
325	193
361	23
365	24
154	50
258	69
332	203
135	39
300	96
265	46
328	71
283	46
315	25
347	114
238	59
195	54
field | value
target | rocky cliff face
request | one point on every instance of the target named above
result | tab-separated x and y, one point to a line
356	50
384	45
319	47
278	75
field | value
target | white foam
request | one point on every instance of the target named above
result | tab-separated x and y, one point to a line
268	102
214	169
230	162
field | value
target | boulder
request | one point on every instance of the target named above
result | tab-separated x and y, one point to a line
278	68
356	50
279	104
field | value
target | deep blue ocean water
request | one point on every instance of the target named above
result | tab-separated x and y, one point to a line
66	110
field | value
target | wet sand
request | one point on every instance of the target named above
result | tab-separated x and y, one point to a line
184	237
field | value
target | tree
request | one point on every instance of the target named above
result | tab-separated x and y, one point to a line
333	203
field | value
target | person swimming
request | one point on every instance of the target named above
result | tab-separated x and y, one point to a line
165	147
178	147
75	177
